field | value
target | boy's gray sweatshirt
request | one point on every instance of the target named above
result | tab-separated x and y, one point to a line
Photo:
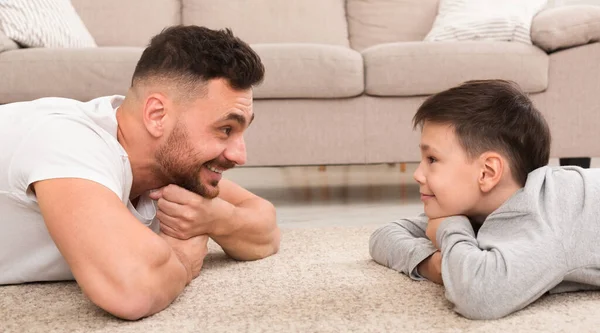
546	237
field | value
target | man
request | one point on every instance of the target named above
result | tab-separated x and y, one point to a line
78	178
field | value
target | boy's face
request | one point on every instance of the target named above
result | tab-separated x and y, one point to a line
448	179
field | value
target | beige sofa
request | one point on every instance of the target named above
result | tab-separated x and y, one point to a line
343	79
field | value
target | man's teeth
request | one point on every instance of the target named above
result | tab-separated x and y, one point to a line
214	169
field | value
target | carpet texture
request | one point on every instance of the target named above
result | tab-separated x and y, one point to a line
322	280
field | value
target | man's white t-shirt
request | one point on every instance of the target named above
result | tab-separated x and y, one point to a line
55	138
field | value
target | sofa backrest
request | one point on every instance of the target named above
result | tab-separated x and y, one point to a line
355	23
372	22
273	21
129	22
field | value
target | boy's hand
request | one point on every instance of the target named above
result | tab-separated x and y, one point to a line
432	227
431	268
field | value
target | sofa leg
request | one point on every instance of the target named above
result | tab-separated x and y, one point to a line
583	162
402	167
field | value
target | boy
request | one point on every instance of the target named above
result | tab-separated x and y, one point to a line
484	150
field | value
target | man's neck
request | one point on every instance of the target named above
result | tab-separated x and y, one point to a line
140	156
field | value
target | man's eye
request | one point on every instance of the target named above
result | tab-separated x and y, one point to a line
226	130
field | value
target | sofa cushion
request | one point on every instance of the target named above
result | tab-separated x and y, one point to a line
269	21
492	20
309	71
567	26
372	22
44	23
81	74
7	44
127	23
423	68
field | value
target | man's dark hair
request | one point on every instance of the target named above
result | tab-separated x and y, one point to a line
193	55
492	115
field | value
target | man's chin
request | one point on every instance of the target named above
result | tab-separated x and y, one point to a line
210	191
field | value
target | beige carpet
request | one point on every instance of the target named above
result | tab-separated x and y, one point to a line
321	281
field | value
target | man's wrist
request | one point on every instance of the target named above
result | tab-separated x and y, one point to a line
225	224
187	265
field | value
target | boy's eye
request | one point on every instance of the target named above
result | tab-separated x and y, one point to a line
431	159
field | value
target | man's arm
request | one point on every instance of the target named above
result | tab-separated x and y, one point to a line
119	263
402	245
243	224
513	261
250	231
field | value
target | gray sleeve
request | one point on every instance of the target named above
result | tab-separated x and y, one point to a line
402	245
513	261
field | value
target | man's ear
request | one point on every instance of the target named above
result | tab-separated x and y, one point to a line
154	114
492	169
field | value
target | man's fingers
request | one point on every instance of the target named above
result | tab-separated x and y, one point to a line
170	208
170	225
178	194
165	229
155	194
169	231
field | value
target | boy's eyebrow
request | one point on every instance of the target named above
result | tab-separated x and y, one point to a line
426	147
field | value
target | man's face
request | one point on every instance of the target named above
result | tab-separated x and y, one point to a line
448	179
207	139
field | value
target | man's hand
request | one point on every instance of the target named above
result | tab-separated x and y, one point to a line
191	252
431	231
184	214
243	224
431	268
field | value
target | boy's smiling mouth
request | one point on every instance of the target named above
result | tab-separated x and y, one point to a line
425	197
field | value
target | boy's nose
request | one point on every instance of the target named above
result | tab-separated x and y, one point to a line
418	174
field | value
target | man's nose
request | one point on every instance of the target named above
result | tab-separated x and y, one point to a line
236	152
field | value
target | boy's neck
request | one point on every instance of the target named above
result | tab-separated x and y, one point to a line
494	199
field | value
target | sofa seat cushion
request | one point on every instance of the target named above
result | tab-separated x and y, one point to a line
309	71
424	68
81	74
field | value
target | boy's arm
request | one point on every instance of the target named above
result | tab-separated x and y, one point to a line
513	261
402	246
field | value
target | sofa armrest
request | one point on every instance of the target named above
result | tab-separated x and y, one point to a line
567	26
6	43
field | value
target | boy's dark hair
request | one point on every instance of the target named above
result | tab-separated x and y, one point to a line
492	115
193	55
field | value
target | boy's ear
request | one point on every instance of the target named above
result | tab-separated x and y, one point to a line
154	114
492	169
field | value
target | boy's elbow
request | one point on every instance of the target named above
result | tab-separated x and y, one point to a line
377	241
481	307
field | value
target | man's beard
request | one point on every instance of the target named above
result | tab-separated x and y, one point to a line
171	159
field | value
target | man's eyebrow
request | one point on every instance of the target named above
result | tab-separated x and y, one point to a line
238	118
